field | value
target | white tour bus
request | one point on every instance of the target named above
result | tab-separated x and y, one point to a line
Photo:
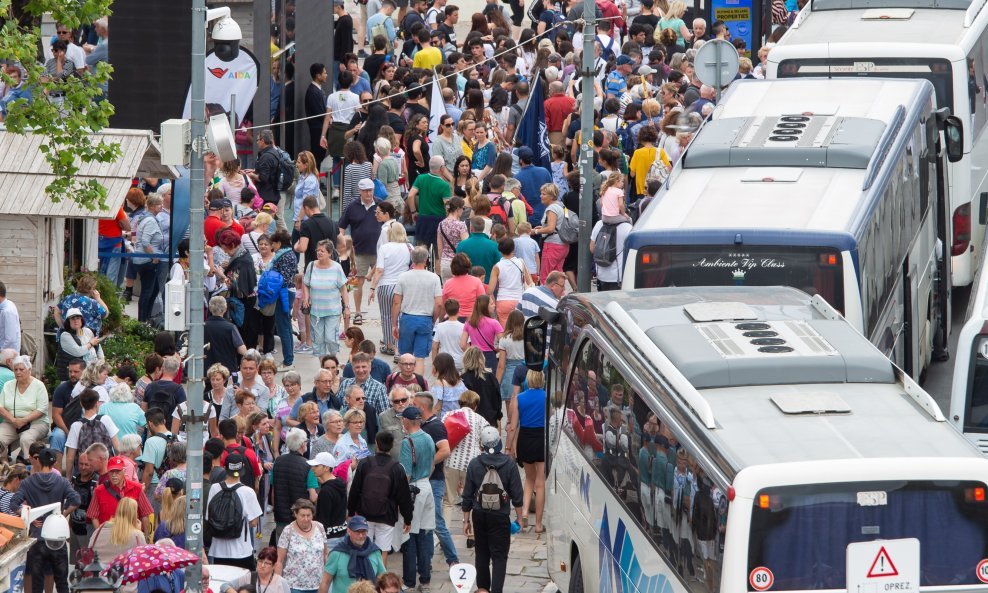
736	439
969	391
829	186
943	41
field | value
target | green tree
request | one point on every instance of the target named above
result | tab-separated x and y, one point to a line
68	130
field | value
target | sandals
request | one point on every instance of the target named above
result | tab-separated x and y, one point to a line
387	351
357	319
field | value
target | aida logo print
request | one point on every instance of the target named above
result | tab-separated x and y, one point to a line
225	73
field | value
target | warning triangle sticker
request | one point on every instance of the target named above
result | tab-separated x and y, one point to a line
882	566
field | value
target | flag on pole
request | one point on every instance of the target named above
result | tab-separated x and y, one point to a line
437	108
531	129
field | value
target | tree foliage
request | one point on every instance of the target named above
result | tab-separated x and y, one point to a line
68	129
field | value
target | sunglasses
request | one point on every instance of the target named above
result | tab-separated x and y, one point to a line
359	399
399	401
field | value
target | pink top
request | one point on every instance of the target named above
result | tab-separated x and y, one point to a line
610	202
465	289
484	336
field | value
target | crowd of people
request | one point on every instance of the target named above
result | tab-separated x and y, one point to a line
451	227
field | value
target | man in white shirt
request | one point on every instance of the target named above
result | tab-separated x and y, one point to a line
236	550
340	107
73	51
10	322
418	302
90	410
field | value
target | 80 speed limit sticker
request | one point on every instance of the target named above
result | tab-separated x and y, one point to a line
761	579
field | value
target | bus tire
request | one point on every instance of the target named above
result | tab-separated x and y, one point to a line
576	576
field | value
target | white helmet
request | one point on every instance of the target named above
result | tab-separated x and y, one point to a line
55	531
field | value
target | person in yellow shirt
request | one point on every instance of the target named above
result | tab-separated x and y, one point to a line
644	157
428	57
466	128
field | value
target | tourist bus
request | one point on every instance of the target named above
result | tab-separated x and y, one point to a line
942	41
744	439
969	389
831	186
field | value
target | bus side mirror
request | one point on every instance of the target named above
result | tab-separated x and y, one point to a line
953	133
535	333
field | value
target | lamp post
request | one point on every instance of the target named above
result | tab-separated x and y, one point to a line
226	35
585	150
90	579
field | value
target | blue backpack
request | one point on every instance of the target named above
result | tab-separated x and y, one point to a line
269	286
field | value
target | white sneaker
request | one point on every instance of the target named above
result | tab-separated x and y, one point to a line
425	587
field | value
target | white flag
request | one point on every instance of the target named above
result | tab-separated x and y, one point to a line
437	109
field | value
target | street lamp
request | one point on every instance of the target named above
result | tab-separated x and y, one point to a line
90	579
226	36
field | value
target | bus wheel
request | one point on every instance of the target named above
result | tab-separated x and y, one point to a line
576	576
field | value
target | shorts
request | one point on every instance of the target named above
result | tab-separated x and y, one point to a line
531	445
708	549
381	534
365	264
415	335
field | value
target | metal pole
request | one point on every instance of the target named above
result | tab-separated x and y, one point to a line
718	82
233	111
586	148
194	296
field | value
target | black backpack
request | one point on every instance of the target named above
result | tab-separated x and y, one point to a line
247	474
226	513
286	171
164	396
375	495
705	520
605	247
92	430
72	411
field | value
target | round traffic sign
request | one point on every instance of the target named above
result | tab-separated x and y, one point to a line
713	56
982	571
761	579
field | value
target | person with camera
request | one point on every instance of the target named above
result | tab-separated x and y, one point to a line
84	482
417	453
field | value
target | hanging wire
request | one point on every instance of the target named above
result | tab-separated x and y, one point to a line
579	22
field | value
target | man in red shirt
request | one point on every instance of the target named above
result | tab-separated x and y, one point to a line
220	217
111	236
233	442
558	107
106	496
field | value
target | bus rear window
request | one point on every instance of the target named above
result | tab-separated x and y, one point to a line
811	269
801	533
937	71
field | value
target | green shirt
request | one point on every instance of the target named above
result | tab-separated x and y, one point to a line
482	251
433	193
336	565
425	452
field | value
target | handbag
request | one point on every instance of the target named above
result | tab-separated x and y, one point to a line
380	190
457	427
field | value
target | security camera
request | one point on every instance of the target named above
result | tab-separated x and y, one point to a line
226	34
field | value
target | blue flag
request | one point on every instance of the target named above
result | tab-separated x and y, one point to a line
531	129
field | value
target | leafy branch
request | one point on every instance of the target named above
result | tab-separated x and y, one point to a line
67	126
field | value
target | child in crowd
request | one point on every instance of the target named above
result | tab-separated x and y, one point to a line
446	337
527	249
612	206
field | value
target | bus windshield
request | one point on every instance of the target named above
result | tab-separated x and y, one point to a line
937	71
801	533
813	270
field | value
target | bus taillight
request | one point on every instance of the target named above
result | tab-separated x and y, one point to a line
974	494
962	229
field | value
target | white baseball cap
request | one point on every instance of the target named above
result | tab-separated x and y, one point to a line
325	458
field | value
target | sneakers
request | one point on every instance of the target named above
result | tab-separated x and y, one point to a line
303	348
362	54
424	588
284	368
